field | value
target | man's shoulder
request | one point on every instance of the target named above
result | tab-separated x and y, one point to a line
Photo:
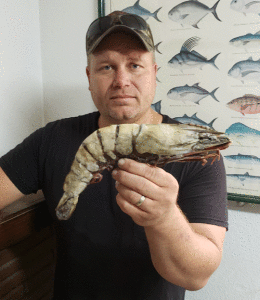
81	119
82	123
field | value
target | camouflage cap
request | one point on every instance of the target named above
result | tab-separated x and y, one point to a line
134	24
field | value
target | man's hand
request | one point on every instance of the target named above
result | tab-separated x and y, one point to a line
160	189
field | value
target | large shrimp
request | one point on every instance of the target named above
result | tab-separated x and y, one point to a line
153	144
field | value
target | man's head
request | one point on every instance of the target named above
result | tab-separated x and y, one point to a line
121	69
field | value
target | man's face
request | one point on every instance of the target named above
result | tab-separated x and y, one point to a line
122	80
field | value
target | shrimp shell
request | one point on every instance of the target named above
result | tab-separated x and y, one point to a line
147	143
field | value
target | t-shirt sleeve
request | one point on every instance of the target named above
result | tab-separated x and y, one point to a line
21	164
203	193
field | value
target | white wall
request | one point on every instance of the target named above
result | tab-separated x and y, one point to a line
63	30
21	103
42	64
238	277
60	84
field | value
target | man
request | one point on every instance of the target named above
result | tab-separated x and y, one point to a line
143	232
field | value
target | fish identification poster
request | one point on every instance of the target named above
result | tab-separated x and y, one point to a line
208	54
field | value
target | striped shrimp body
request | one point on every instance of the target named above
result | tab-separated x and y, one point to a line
147	143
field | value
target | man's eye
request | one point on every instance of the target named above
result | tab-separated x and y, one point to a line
107	68
135	66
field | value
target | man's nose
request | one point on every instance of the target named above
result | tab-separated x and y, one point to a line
121	78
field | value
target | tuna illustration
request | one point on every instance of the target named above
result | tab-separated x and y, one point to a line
157	106
194	120
248	104
245	179
136	9
193	93
191	12
248	40
188	59
246	70
246	6
243	159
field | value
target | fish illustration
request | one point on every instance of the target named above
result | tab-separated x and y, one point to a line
248	104
188	59
246	6
248	40
245	179
243	159
194	120
242	135
156	47
241	129
157	106
193	93
191	12
136	9
246	70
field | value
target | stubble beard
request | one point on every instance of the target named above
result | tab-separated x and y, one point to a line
126	115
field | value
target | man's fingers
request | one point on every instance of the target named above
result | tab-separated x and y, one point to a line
133	197
152	173
137	183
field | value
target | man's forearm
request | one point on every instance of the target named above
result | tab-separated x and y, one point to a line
8	191
180	254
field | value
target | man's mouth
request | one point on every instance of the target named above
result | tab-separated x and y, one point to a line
122	97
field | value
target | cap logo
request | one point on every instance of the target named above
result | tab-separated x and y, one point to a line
115	17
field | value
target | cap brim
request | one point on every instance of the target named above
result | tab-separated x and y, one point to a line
119	28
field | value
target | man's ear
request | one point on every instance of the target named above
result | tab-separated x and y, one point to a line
156	70
88	74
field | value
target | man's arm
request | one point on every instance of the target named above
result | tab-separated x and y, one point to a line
8	191
184	253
